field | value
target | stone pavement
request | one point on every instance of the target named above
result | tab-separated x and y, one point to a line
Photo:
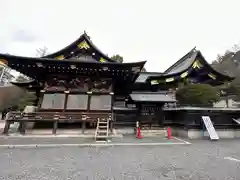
203	160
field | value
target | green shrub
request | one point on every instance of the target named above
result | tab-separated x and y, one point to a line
197	95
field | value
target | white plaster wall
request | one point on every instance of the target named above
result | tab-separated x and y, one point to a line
224	103
221	103
179	132
194	134
29	109
198	134
227	133
237	133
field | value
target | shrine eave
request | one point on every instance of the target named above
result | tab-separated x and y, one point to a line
37	67
151	97
31	84
143	76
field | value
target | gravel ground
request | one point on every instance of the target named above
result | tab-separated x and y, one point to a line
201	160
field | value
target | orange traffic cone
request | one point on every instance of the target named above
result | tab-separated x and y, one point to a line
169	133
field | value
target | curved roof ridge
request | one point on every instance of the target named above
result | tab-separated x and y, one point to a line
216	71
181	60
71	47
52	55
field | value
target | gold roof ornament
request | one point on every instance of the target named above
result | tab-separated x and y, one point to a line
83	45
102	60
183	75
197	64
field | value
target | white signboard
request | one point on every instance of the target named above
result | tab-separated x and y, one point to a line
211	130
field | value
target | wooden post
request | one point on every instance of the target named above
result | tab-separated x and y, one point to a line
55	126
111	125
22	127
139	109
83	126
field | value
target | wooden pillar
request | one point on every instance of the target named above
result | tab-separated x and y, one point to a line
6	127
65	101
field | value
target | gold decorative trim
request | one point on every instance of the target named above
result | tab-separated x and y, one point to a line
170	79
3	62
154	82
61	57
183	75
83	45
102	60
212	76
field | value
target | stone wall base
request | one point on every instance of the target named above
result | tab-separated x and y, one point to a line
198	134
29	109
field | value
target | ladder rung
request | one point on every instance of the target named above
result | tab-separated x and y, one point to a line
102	126
101	141
102	131
101	136
102	122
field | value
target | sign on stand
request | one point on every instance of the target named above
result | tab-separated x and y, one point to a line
237	120
211	130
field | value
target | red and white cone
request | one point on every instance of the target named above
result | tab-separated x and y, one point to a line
169	133
138	133
139	136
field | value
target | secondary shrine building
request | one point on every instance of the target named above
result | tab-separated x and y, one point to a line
79	83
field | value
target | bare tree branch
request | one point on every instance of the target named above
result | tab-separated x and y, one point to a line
42	51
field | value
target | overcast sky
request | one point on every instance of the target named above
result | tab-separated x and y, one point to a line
159	31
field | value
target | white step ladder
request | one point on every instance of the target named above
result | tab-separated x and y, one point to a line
209	126
102	129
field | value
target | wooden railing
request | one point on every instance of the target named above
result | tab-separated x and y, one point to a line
55	117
